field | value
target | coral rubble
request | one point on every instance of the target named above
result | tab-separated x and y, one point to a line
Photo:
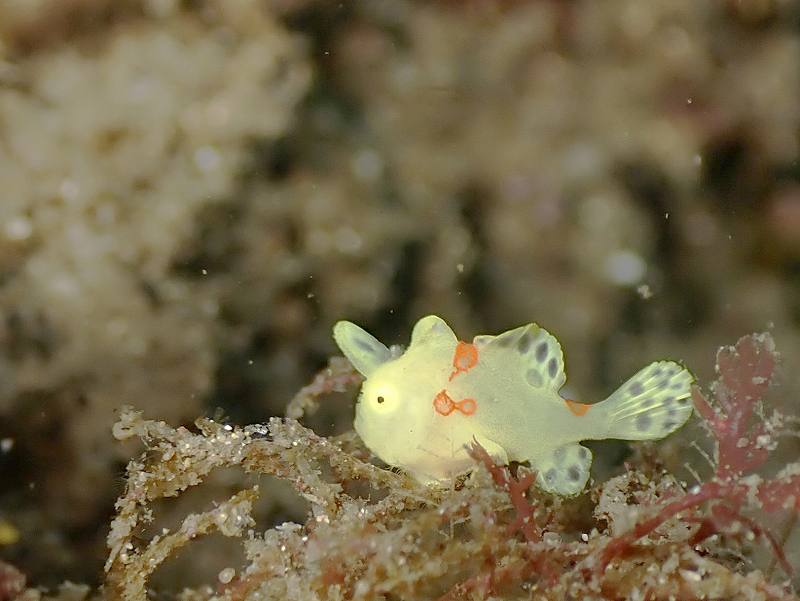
373	533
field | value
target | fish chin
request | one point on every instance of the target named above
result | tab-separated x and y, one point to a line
369	432
358	423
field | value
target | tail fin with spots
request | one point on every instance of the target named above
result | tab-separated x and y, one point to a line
652	404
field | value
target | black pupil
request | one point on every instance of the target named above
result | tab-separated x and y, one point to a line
381	399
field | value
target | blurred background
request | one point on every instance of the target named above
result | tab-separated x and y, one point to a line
192	192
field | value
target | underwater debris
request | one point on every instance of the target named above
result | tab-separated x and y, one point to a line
12	582
374	533
339	376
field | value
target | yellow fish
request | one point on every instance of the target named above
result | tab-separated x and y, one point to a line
418	409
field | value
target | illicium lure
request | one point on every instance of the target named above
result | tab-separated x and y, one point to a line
418	410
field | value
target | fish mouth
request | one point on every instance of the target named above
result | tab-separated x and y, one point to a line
358	421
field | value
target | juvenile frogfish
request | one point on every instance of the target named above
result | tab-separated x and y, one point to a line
419	409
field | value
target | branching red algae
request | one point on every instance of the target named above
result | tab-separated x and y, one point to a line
491	535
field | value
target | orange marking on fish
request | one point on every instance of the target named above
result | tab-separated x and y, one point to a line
578	409
444	405
467	406
465	358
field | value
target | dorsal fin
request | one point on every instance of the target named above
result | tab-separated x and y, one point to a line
364	351
430	327
532	350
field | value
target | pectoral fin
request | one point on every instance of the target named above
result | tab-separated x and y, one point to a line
565	470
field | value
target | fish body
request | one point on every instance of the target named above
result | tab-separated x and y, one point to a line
418	410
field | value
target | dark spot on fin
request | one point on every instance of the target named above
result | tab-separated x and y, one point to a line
504	341
534	378
524	342
365	345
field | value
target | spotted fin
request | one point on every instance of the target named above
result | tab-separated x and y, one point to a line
564	471
364	351
652	404
429	328
533	350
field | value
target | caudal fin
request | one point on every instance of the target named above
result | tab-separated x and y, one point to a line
652	404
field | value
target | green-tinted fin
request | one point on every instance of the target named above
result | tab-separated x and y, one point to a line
538	354
565	470
364	351
431	327
651	404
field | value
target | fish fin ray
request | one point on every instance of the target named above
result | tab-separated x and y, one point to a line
653	403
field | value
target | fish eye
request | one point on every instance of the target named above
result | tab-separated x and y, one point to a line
382	398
